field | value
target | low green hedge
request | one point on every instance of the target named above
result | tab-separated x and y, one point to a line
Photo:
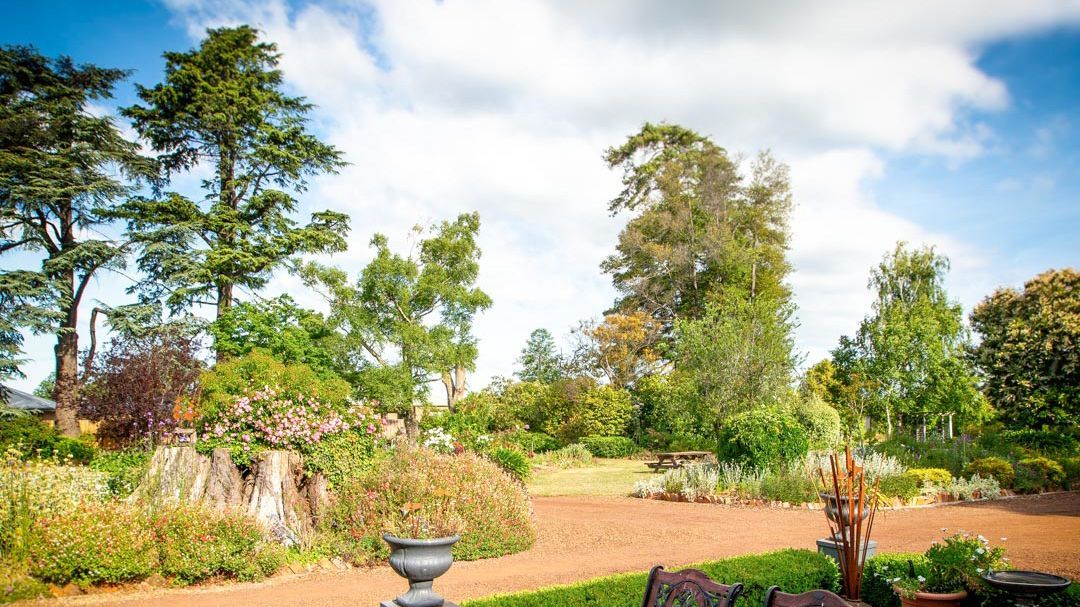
610	446
793	570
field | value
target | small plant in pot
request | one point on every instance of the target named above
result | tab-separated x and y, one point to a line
955	567
420	548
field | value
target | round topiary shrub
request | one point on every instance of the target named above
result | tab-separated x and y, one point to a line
763	438
418	492
993	467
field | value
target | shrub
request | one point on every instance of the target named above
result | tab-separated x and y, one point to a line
1048	442
238	377
598	411
926	476
514	462
1036	474
94	543
195	544
1071	466
344	455
880	571
491	509
794	571
16	585
904	486
533	442
133	389
763	437
820	421
34	439
123	470
993	467
691	482
610	446
789	487
570	456
975	487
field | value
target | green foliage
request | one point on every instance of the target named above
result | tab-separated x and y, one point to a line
1059	441
17	585
514	462
821	422
123	469
287	332
673	415
1027	353
34	439
765	437
570	456
1071	466
443	494
572	408
343	456
238	376
740	355
904	486
91	544
880	571
222	106
793	571
407	320
533	442
993	467
195	544
610	446
926	476
953	565
1036	474
789	487
540	360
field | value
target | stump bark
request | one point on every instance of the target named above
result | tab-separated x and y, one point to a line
273	496
175	474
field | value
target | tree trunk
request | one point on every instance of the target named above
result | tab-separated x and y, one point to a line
273	496
888	420
455	386
224	485
66	392
175	475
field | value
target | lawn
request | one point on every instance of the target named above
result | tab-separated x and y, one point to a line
602	477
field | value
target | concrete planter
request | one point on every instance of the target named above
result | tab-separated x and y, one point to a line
420	562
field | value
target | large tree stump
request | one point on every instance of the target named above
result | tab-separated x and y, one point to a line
225	486
175	474
272	495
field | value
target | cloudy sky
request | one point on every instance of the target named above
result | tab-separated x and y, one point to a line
953	124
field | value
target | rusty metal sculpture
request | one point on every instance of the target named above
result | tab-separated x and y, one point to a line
849	509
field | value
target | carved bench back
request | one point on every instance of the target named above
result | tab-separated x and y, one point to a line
813	598
687	588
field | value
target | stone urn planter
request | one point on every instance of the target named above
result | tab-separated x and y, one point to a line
934	599
840	515
420	562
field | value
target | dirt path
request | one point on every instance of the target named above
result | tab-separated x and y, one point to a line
584	537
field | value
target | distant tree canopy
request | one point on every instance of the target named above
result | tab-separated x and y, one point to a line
62	172
221	106
540	360
1029	352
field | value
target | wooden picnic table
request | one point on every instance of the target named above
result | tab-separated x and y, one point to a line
675	459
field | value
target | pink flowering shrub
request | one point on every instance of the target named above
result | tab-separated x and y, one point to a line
196	544
92	543
276	418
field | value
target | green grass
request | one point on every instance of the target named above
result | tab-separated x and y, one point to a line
602	477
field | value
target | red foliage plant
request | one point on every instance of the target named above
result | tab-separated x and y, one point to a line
136	389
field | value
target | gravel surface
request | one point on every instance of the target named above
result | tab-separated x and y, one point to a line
585	537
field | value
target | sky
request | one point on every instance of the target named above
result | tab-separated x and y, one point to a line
947	124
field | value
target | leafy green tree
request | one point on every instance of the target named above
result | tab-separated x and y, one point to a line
911	346
288	332
739	354
540	360
621	349
221	106
1029	354
408	320
60	177
700	233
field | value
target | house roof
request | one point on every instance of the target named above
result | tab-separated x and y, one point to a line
17	399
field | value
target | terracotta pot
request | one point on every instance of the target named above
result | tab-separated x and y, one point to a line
934	599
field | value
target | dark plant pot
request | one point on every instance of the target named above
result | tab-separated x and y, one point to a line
935	599
420	562
831	509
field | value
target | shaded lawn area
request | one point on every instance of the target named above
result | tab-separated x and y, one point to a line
602	477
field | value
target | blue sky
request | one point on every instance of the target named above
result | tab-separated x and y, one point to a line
957	128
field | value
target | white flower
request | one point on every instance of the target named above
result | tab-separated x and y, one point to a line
921	579
979	551
1004	538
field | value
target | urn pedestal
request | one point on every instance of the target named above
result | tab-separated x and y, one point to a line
420	562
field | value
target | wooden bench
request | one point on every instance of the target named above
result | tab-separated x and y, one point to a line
686	588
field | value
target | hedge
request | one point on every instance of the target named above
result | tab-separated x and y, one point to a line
610	446
793	570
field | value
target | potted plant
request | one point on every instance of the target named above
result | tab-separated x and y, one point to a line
420	548
954	567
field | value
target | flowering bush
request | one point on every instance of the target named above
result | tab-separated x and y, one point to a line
418	491
438	439
955	565
277	418
195	544
93	543
343	456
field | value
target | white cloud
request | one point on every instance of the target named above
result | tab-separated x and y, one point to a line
505	106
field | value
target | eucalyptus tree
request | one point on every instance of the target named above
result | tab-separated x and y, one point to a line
221	109
63	170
